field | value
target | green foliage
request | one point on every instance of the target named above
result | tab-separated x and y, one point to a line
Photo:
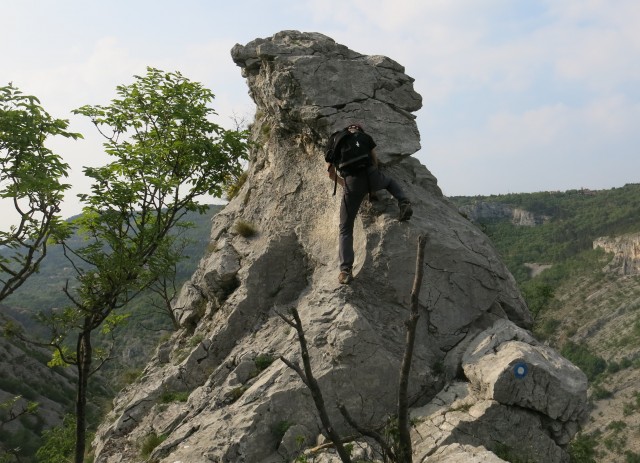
31	180
575	219
62	357
280	429
235	184
236	393
631	457
538	296
582	448
600	392
58	442
263	361
195	340
113	321
617	425
174	396
150	443
245	229
162	124
129	376
592	365
547	328
629	408
165	154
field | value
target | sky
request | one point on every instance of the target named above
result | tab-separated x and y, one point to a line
518	95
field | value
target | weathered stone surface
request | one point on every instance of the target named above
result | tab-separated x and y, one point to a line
625	250
509	366
458	453
305	85
483	210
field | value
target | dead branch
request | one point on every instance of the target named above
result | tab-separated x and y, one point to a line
404	437
307	377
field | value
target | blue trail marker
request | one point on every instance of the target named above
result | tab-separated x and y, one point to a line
520	370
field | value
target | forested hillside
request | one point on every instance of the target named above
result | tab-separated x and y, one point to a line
24	371
584	310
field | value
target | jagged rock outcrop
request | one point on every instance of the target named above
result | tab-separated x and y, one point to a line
244	407
483	210
625	250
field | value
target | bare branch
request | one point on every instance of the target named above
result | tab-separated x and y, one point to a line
404	436
373	434
313	385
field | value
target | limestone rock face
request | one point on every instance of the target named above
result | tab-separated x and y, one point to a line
496	211
626	253
244	404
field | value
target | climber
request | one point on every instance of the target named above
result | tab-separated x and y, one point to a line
350	153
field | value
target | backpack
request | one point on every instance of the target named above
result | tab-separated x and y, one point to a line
348	152
331	153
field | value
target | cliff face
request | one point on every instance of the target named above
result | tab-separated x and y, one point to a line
496	211
478	382
625	250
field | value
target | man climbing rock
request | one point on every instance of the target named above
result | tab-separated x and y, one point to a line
350	153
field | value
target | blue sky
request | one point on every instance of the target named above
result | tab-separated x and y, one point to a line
518	96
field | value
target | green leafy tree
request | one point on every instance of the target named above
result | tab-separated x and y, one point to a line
59	441
167	153
30	180
11	410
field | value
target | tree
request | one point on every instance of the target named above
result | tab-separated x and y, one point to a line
30	179
404	438
167	153
58	442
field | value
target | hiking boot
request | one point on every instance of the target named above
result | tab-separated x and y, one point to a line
345	277
405	210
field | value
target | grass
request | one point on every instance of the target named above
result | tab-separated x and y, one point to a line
150	443
245	229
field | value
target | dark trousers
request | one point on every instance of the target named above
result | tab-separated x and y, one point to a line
356	187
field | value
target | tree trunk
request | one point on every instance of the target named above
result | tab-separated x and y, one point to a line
84	354
404	434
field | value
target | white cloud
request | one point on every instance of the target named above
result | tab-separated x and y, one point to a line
547	148
504	84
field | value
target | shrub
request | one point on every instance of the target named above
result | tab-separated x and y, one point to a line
59	442
150	443
617	426
234	186
195	340
600	392
245	229
591	364
631	457
280	429
263	361
236	393
130	375
582	449
174	396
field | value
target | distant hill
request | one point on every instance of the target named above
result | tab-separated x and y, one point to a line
24	370
583	306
